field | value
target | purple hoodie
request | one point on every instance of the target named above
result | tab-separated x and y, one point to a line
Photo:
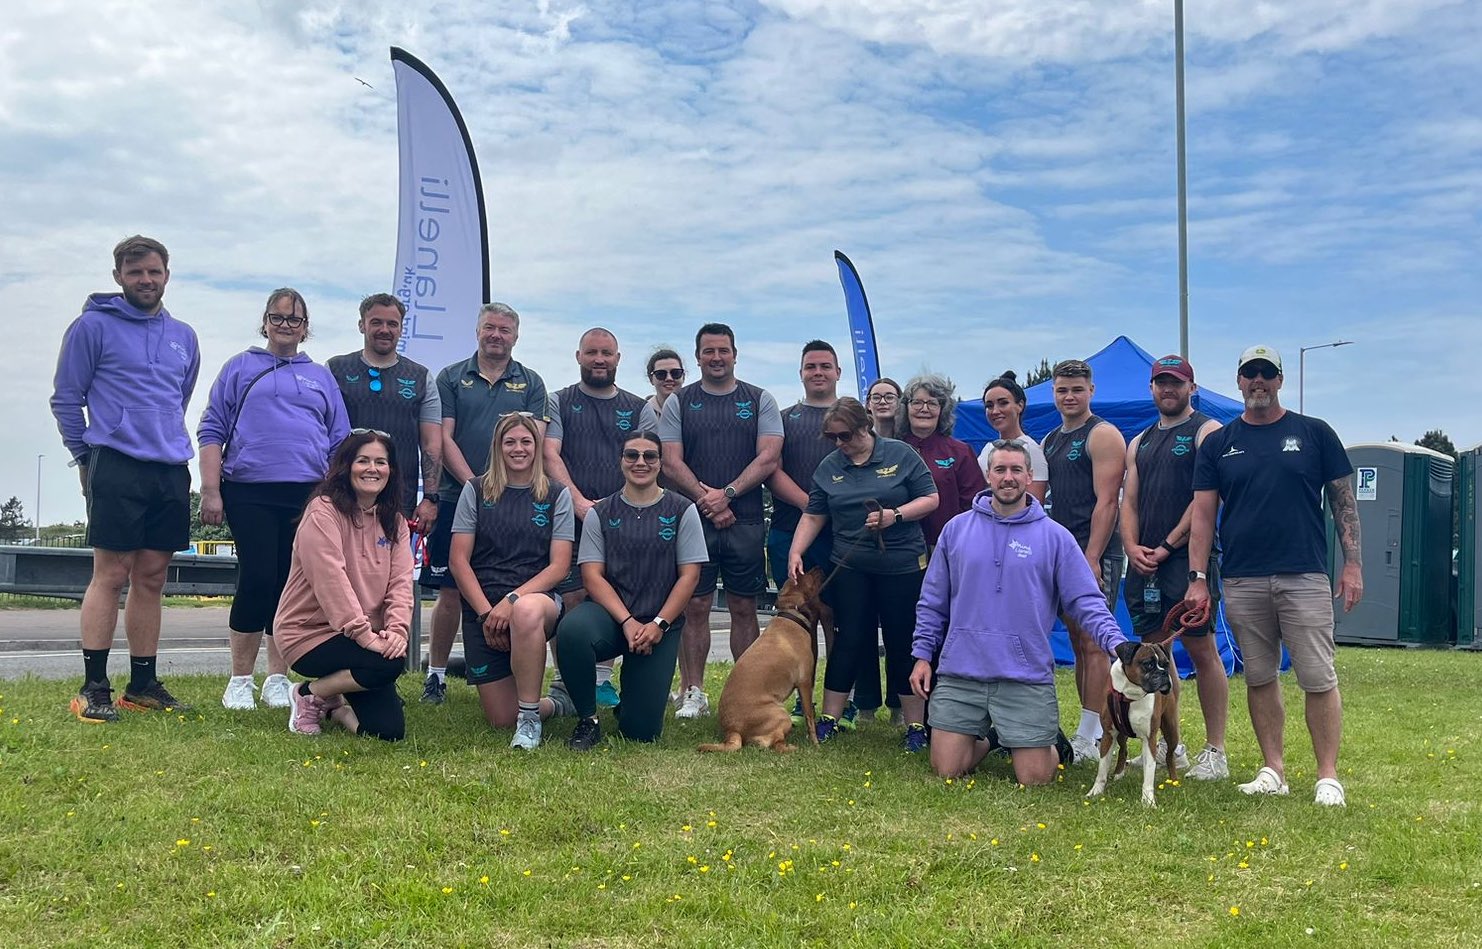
993	590
134	374
289	424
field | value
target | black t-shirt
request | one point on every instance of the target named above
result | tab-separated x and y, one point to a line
1271	478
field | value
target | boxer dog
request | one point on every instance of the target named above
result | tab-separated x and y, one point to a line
1141	701
782	659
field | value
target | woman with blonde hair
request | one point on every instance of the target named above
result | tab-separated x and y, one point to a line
511	546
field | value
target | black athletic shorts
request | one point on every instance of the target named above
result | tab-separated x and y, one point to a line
435	573
136	505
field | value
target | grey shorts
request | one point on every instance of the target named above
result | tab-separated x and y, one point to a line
1291	609
1024	715
738	555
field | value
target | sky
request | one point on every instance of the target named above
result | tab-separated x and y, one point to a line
1002	174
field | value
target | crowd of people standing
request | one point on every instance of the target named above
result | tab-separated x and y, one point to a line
596	522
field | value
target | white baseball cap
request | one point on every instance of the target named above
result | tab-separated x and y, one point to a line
1268	353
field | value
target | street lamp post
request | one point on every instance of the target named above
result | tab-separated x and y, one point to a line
38	499
1302	366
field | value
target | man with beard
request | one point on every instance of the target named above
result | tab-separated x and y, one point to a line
722	438
1001	572
1156	498
1270	468
474	392
387	392
589	421
124	377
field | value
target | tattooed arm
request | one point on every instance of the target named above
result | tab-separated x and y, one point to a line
1345	516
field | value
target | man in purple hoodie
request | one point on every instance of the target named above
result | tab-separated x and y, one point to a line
124	377
1002	571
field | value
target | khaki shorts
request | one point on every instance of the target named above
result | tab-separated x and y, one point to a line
1291	609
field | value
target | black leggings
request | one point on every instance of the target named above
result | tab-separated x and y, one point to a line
589	635
263	518
864	602
378	708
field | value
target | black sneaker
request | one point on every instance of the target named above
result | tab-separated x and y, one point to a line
434	691
153	697
94	704
588	733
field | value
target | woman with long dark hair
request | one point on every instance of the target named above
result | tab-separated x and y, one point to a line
511	546
346	611
641	551
272	422
1004	402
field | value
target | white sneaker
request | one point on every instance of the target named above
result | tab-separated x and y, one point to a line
1180	756
696	703
1210	765
1330	793
275	689
1266	781
240	694
1083	749
527	733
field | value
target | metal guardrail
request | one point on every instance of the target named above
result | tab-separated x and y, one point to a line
65	572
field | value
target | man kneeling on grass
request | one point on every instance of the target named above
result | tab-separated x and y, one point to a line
1002	571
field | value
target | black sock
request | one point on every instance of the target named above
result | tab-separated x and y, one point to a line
141	671
95	665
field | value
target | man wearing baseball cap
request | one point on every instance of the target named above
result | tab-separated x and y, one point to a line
1270	468
1156	500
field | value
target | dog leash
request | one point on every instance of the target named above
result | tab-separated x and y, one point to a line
871	506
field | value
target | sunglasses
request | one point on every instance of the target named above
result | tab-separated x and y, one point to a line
370	431
293	322
666	374
839	437
518	415
1264	370
375	378
633	454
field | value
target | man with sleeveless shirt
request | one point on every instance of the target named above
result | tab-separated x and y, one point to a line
722	438
474	393
390	393
1086	458
1156	500
581	447
1269	470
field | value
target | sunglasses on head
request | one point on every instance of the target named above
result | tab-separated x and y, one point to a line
664	374
518	415
633	454
370	431
839	437
1263	369
293	322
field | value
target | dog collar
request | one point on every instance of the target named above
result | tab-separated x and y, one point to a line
798	618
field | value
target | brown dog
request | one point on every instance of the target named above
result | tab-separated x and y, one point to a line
782	659
1141	702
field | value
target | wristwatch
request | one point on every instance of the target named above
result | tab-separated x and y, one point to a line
898	516
1197	575
662	624
511	597
730	492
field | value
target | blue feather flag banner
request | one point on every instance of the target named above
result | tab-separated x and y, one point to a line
861	326
442	238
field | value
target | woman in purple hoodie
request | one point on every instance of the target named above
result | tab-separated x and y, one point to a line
273	421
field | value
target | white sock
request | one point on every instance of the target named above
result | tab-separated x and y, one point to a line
1090	726
246	679
441	672
604	673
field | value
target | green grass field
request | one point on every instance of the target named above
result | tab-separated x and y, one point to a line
223	828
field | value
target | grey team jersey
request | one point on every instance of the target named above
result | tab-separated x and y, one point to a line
719	435
803	447
512	536
641	547
591	432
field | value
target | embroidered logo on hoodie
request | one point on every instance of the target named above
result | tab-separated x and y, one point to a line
1022	549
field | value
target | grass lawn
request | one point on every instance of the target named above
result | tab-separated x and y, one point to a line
223	828
22	601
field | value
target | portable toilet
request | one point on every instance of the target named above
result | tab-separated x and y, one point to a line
1404	495
1468	564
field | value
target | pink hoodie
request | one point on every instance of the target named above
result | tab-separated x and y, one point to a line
345	580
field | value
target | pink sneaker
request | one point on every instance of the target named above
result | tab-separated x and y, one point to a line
304	713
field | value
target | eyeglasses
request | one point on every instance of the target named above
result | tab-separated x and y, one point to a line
1265	370
370	431
517	415
839	437
665	374
882	399
293	322
923	403
375	378
633	454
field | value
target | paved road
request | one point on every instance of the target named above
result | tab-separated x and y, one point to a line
44	642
